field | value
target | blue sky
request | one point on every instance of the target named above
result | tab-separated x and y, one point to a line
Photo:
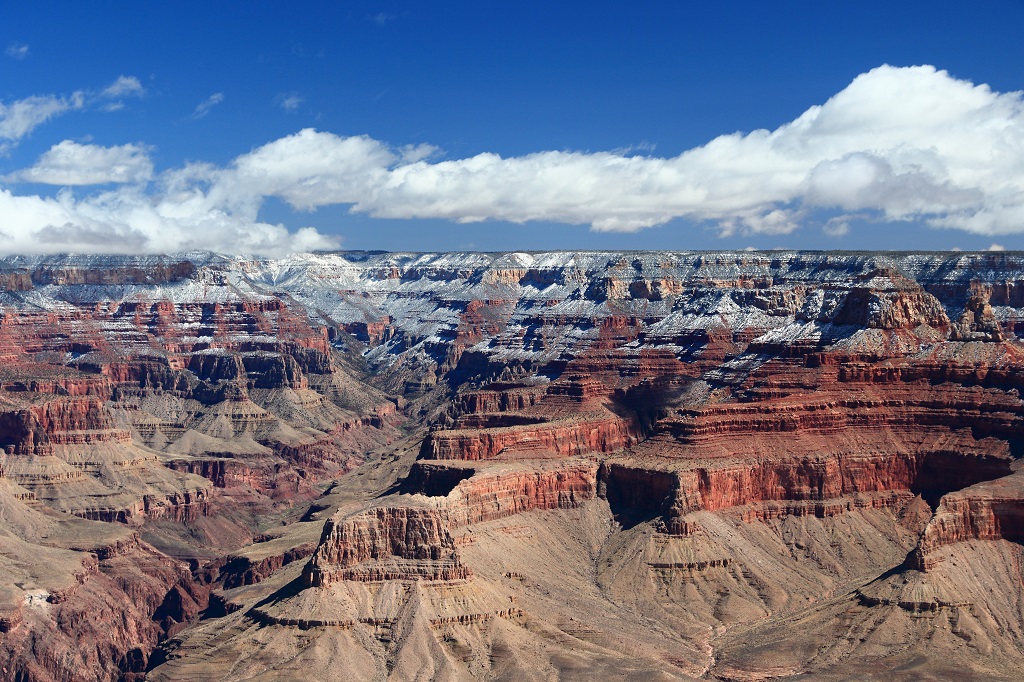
234	125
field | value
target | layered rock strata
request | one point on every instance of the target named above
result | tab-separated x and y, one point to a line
722	442
387	543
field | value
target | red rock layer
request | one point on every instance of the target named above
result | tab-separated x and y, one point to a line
498	397
386	543
993	510
945	406
676	492
36	429
497	492
414	541
242	570
180	507
583	435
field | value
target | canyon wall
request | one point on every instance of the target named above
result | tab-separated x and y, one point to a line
406	415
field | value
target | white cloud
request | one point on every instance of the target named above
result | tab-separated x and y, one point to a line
21	117
997	247
127	220
290	102
306	168
70	163
411	153
642	147
203	108
838	226
897	144
124	86
902	143
16	51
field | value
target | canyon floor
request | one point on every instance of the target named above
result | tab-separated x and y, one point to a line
622	466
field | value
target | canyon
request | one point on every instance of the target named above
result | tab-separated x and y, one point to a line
565	465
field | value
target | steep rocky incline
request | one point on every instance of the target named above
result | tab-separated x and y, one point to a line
684	465
83	599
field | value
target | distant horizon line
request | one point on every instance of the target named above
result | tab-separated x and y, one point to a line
325	252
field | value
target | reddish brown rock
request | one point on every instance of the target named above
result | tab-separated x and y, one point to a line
714	441
243	570
386	543
498	491
566	438
993	510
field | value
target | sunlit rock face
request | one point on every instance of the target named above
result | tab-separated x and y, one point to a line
685	465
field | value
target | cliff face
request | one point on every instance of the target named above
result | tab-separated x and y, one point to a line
993	510
562	438
737	434
387	543
471	497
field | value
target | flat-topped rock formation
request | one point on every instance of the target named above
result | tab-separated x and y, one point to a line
385	543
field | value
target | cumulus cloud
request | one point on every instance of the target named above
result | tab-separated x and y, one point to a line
203	108
71	163
837	226
897	144
21	117
127	220
310	169
16	51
